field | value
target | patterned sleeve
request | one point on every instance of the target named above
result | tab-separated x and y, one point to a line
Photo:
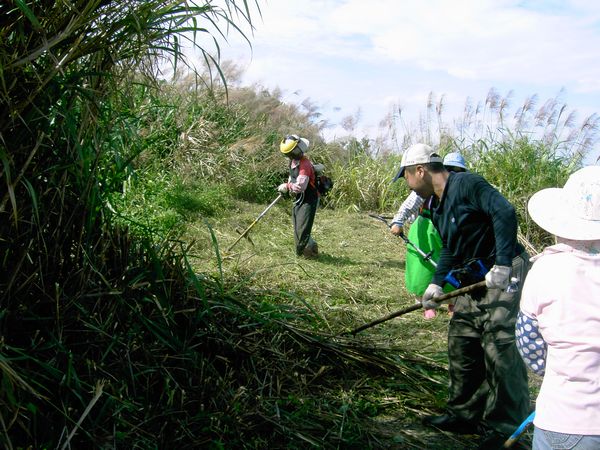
409	209
530	343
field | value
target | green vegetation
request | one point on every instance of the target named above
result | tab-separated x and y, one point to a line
126	324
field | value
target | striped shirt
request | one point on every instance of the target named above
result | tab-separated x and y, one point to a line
409	210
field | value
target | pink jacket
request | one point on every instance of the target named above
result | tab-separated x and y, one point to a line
562	291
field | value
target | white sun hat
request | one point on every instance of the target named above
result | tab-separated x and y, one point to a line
572	212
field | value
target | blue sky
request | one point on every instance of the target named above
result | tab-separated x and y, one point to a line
350	55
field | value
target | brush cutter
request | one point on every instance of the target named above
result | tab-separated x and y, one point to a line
466	274
240	231
425	256
417	306
247	230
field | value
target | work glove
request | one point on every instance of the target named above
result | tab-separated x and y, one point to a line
283	188
432	291
498	277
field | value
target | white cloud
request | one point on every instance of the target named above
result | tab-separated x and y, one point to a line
487	40
351	53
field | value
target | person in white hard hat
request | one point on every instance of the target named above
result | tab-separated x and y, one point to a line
558	326
301	184
416	211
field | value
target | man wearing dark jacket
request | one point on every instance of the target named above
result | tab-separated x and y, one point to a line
488	389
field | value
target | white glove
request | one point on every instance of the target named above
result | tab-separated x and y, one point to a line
497	277
432	291
283	188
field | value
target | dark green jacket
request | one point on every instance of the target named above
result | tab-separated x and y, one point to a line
474	221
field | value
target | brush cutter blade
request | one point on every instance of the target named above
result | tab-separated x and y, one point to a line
247	236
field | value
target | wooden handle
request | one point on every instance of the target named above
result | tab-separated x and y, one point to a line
416	306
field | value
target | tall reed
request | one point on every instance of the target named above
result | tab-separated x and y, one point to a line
68	72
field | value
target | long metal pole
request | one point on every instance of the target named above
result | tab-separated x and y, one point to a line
255	221
425	256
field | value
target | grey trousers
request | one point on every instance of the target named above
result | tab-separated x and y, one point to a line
488	379
303	216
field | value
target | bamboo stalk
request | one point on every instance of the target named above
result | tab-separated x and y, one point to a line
416	306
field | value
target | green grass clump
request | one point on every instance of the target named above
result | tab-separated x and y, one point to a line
363	182
199	199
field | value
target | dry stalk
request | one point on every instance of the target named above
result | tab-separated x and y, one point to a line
97	395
